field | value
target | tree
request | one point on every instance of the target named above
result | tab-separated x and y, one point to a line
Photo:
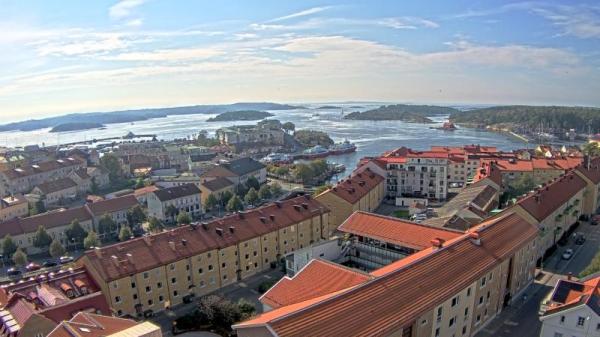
41	238
318	167
252	182
276	189
593	267
91	240
9	247
171	211
139	183
251	197
125	233
591	149
38	207
264	192
135	216
235	204
111	163
521	185
56	249
321	189
76	233
94	187
183	219
225	197
19	257
303	172
288	127
282	171
106	225
211	202
241	190
154	225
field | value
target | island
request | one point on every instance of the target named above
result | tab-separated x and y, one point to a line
244	115
328	107
76	127
402	112
309	138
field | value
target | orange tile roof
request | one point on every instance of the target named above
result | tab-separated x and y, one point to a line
145	190
355	187
91	325
145	253
591	170
515	165
387	303
317	278
547	199
570	293
396	231
556	164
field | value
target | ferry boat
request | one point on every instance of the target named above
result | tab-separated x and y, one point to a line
277	158
340	148
315	152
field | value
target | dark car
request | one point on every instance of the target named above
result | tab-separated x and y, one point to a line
580	240
65	259
33	266
49	263
13	272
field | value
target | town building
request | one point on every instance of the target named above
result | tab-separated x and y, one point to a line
34	307
362	191
589	171
150	273
115	208
252	138
178	180
164	204
12	207
85	324
238	171
216	187
57	191
453	287
572	309
141	194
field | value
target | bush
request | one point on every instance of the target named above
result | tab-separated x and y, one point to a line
266	285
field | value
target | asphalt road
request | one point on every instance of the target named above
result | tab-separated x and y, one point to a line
521	319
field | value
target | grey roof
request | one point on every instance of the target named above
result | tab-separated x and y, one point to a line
217	184
56	185
243	166
176	192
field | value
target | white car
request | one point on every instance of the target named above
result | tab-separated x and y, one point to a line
567	254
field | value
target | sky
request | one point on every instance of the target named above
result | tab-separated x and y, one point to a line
77	56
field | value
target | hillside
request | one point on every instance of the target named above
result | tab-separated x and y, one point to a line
402	112
523	116
127	116
75	127
245	115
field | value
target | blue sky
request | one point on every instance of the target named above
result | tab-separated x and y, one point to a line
73	56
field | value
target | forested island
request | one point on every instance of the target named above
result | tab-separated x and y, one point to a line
402	112
127	116
558	118
76	126
328	107
246	115
309	138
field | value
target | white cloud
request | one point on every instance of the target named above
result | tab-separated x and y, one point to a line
407	22
123	8
134	23
305	12
167	55
98	44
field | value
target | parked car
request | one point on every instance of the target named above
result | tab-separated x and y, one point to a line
567	254
33	266
13	272
65	259
595	220
580	239
49	263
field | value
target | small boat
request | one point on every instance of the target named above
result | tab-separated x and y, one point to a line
277	158
339	168
340	148
315	152
448	126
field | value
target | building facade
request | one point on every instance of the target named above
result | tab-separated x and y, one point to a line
165	204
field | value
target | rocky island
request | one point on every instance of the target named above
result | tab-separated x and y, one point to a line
402	112
76	126
244	115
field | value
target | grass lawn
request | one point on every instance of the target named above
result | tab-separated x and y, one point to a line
402	214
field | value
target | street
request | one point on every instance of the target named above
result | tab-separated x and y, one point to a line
522	317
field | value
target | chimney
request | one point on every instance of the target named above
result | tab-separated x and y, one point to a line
272	216
436	243
219	231
569	276
115	260
172	245
98	252
205	225
184	242
129	257
231	229
240	214
193	226
305	205
475	238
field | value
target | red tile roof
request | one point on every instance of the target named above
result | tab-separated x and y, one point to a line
87	324
591	170
62	217
387	303
570	293
556	164
396	231
46	166
100	208
113	262
355	187
515	165
546	200
317	278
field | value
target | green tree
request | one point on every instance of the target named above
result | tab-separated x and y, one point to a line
94	187
183	219
252	182
19	257
171	211
282	171
56	249
135	216
225	197
235	204
318	167
321	189
288	127
125	233
211	202
521	185
264	192
91	240
37	207
111	163
154	225
106	225
139	183
41	238
591	149
276	189
593	267
241	190
303	172
9	247
76	233
251	197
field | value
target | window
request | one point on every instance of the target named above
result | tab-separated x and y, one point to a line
148	289
455	301
466	312
117	299
135	296
158	285
132	285
223	265
210	267
562	319
464	330
483	282
478	319
115	285
580	321
424	322
225	277
145	275
173	280
480	300
468	291
175	293
452	321
150	302
437	332
172	266
161	298
200	271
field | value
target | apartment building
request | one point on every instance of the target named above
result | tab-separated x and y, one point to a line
183	179
24	179
362	191
147	274
184	198
454	287
13	207
589	171
238	171
56	191
34	307
257	138
141	194
115	208
572	309
216	187
94	325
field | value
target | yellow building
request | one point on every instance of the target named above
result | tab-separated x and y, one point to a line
158	271
363	191
13	207
589	171
216	187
